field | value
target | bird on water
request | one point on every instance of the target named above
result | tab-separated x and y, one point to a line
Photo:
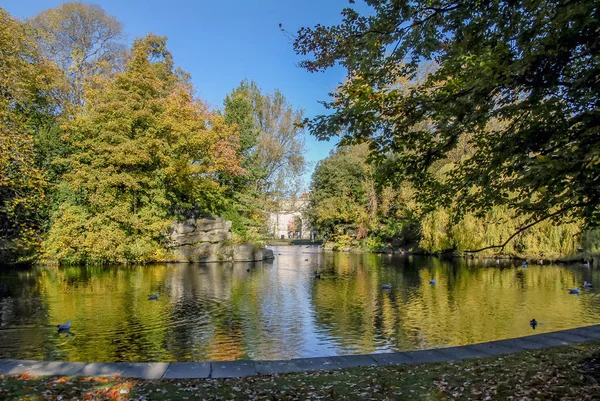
65	326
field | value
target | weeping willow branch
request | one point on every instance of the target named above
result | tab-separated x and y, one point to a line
526	227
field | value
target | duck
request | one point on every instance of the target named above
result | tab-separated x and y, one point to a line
317	275
575	291
248	270
386	286
65	326
153	296
306	260
586	265
432	281
533	323
524	264
587	285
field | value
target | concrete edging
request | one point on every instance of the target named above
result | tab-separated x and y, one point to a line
232	369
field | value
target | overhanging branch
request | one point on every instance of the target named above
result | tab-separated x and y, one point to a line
526	227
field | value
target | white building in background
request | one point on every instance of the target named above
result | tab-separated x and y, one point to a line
291	220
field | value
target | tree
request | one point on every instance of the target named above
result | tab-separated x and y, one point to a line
272	136
146	152
271	148
25	80
516	80
83	41
338	193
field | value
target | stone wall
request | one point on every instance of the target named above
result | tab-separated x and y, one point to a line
210	240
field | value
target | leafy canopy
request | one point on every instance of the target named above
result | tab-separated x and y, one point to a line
25	82
146	152
518	81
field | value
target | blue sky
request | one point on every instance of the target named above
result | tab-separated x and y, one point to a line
222	42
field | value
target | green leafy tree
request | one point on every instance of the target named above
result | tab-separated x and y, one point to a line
272	150
338	199
25	81
528	68
82	41
146	152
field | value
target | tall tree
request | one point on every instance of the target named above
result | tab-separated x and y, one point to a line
25	80
528	67
272	149
83	41
271	136
339	191
146	152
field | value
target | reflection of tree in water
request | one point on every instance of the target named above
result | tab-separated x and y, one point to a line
21	303
206	323
222	311
467	304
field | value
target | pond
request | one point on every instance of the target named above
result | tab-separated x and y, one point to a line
278	310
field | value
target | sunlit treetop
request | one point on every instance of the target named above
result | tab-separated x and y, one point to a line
516	82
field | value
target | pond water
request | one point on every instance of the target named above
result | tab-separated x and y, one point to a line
278	310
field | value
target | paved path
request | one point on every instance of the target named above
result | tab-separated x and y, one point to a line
187	370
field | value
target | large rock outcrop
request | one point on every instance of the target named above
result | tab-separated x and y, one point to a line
210	240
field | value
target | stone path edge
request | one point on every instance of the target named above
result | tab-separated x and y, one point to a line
233	369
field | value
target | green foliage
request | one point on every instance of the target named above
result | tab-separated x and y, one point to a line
145	153
345	200
25	82
271	149
515	81
545	240
82	41
337	197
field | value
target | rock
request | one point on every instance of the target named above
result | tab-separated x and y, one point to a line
208	240
268	254
243	253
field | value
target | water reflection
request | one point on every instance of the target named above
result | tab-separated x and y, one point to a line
279	310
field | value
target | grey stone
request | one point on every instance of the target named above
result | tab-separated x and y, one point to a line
464	352
203	252
276	367
351	361
268	254
585	332
57	369
497	348
259	254
322	363
184	227
17	367
243	253
199	237
545	340
423	356
393	358
567	338
153	370
102	369
188	370
528	343
233	369
217	223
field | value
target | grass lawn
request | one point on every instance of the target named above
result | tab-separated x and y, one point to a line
566	373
